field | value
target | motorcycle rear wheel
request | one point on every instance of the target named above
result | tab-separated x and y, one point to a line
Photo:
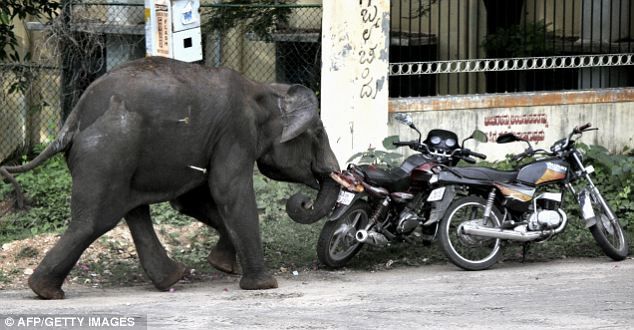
337	243
467	251
609	235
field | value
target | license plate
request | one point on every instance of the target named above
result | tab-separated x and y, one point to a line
436	194
345	197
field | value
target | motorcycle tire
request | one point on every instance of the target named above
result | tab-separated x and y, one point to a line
337	243
461	249
609	235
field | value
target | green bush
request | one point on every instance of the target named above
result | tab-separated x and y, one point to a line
47	191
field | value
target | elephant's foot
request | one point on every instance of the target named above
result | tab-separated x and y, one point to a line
261	282
166	282
45	287
224	261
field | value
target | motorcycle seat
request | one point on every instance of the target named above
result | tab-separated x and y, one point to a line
394	179
485	173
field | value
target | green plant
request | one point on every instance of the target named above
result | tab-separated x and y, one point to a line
11	9
379	157
48	189
614	174
163	213
520	40
259	17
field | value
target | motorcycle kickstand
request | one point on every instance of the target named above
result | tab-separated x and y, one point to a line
525	247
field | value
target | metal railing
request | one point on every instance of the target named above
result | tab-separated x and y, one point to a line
449	47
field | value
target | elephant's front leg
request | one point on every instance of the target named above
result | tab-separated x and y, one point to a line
235	200
159	267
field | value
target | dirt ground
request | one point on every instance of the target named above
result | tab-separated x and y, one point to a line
568	293
109	259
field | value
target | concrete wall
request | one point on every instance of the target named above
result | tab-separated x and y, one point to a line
535	115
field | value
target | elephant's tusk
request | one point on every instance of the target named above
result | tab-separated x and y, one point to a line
204	170
308	206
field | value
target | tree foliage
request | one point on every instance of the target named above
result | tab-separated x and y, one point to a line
259	17
11	9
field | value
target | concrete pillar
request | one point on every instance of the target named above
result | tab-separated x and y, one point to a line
355	64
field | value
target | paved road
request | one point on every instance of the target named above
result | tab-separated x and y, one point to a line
570	294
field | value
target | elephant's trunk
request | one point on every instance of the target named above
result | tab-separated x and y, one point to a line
303	210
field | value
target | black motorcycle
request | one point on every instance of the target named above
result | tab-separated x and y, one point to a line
524	205
377	206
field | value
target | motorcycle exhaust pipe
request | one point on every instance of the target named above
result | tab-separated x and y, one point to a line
371	237
362	235
511	235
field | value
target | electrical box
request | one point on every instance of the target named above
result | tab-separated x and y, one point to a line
172	29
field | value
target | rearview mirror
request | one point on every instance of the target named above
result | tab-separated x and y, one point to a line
404	118
479	136
507	138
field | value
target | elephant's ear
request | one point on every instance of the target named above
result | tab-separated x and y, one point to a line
299	111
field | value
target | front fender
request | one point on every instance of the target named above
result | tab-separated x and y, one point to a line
340	209
439	207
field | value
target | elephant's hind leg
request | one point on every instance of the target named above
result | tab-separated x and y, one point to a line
159	267
89	222
198	204
223	255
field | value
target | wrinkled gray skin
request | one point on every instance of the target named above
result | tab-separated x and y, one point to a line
132	137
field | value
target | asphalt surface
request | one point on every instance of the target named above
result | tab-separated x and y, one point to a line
563	294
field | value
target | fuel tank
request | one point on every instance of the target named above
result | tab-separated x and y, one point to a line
419	167
543	171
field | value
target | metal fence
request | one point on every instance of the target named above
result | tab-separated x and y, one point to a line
454	47
90	38
437	47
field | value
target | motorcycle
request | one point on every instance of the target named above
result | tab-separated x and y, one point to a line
377	206
524	205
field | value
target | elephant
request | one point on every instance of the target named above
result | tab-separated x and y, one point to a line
157	129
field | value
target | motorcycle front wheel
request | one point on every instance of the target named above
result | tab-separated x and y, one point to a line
469	252
337	243
608	234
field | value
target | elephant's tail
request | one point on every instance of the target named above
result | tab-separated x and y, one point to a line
61	143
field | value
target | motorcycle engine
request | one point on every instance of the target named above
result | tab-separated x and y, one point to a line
544	219
407	221
547	213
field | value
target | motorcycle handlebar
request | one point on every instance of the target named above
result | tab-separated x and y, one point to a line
402	143
579	129
477	154
469	160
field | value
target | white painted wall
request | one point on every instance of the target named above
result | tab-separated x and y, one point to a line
354	91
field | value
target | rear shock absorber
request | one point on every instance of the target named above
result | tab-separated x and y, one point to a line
380	212
370	236
489	206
